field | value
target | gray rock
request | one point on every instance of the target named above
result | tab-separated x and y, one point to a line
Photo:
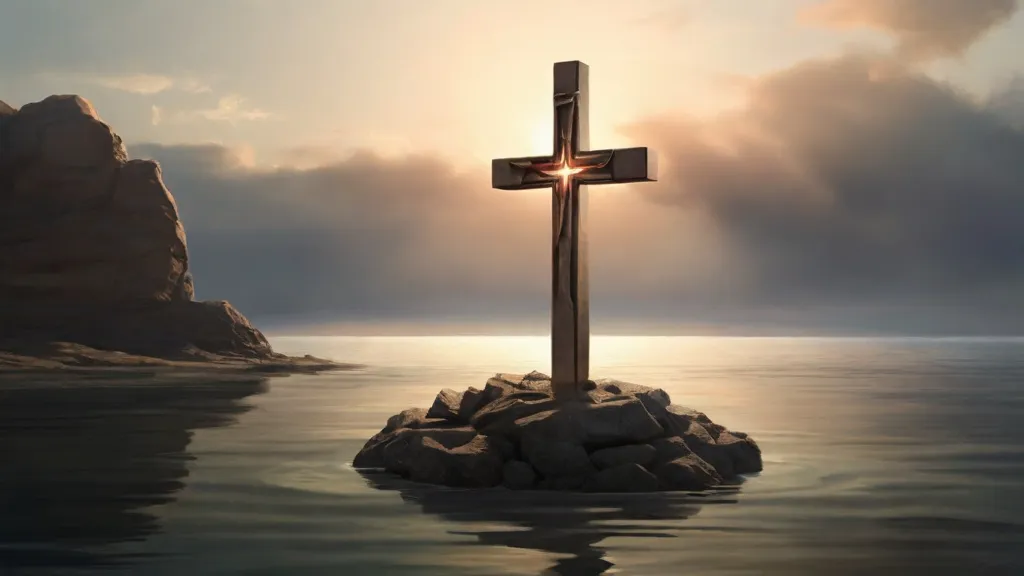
393	451
696	434
746	456
535	382
715	430
520	436
93	248
75	198
594	425
494	389
654	399
687	473
668	449
518	475
476	464
507	448
676	419
396	453
406	419
6	114
175	330
446	405
508	378
718	459
499	417
472	400
553	458
696	415
729	454
534	376
703	445
640	454
373	453
504	383
623	478
593	395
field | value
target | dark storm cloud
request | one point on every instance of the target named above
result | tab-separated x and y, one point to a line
848	193
361	235
1008	102
925	29
374	236
856	179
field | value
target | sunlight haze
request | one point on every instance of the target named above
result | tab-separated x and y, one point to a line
826	165
465	80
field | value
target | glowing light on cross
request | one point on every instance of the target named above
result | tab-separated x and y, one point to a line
565	171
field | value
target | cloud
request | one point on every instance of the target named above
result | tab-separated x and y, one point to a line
135	83
143	84
1008	102
857	180
394	236
230	109
192	86
847	194
925	29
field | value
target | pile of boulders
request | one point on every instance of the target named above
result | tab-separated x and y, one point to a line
616	437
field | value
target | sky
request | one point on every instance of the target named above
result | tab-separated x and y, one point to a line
826	165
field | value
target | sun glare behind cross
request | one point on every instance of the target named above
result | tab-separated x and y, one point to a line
565	164
565	172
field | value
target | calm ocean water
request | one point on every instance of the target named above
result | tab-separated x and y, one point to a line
895	456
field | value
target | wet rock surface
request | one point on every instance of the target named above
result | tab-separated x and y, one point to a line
617	437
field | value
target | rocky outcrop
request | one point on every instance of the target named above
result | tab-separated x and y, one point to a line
92	248
618	437
174	329
79	221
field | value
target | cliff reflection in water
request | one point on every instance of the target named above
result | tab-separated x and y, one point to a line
569	524
84	458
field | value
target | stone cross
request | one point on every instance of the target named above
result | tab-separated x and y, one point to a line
569	167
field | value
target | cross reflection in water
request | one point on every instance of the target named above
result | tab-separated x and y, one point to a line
570	524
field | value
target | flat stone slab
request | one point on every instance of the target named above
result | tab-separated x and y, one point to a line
617	437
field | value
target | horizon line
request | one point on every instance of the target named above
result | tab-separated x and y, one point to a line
822	336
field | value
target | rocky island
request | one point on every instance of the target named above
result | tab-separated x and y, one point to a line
616	437
94	267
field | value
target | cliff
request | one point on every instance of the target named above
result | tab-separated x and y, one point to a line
93	251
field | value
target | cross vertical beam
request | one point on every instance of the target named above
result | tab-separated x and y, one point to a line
569	167
570	289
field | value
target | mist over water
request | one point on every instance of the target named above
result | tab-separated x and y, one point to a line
882	456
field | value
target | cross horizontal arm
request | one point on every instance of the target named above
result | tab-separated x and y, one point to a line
625	165
506	175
